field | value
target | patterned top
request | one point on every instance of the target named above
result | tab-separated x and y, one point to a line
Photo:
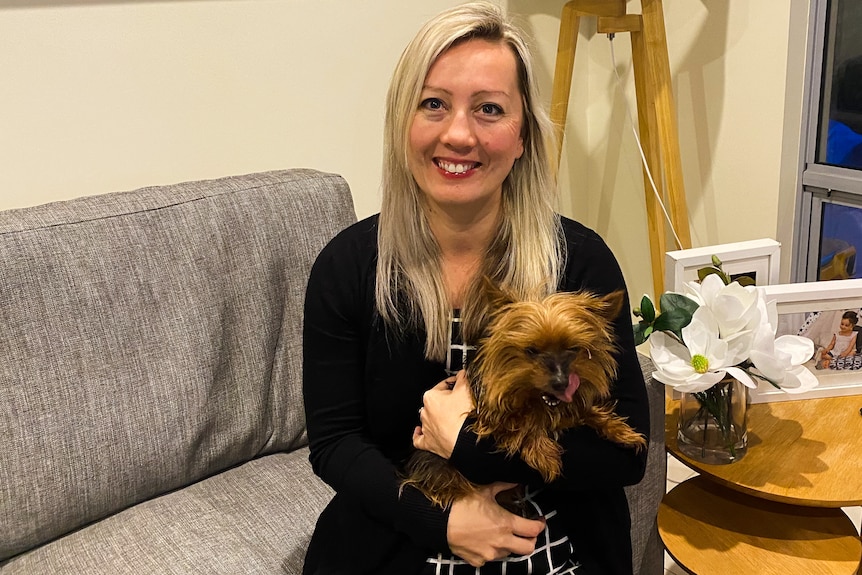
553	554
458	354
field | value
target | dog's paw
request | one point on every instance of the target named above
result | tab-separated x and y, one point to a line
515	501
545	456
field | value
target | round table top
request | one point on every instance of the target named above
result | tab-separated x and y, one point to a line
711	529
806	452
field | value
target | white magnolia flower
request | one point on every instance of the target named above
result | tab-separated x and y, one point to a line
732	332
780	359
702	359
735	307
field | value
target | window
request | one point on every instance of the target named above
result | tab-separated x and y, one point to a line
829	218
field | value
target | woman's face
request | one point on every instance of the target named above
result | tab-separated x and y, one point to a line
466	133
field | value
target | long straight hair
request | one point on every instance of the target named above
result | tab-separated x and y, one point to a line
525	255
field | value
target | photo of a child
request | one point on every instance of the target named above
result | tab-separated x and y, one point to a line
842	349
828	314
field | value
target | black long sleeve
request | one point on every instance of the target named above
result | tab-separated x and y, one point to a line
360	402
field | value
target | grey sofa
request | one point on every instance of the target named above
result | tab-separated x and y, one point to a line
151	416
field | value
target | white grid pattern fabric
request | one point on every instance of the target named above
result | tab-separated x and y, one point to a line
458	354
553	554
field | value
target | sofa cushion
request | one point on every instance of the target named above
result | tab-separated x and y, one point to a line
149	339
253	519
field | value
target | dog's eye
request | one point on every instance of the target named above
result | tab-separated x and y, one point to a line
577	350
531	351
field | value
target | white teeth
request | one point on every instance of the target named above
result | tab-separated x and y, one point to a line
455	168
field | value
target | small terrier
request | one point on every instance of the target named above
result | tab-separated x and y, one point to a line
542	367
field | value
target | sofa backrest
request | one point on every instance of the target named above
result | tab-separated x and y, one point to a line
149	339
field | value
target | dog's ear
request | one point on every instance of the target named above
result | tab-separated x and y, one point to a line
495	296
612	304
491	301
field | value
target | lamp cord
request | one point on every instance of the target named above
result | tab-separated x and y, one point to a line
638	140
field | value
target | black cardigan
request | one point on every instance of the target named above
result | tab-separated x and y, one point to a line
363	384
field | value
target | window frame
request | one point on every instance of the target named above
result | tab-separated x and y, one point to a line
818	183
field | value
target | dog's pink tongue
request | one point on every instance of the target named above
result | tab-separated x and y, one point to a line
574	384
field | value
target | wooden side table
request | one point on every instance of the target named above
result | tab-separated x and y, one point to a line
777	510
708	528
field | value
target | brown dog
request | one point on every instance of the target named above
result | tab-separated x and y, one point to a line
542	367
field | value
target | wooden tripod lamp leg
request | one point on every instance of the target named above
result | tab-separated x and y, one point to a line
649	140
656	48
569	22
657	123
648	131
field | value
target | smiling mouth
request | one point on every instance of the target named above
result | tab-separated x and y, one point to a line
456	168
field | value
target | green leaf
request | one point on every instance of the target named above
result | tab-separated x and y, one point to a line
672	320
745	281
703	272
639	329
673	301
647	309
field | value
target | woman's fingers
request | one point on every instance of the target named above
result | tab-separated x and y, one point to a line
445	385
479	530
528	528
444	409
519	546
461	389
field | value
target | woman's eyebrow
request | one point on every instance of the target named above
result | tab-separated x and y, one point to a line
480	93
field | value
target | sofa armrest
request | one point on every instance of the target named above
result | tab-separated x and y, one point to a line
644	498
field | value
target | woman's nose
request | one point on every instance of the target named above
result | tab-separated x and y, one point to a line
459	132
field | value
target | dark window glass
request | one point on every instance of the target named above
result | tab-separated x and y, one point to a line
839	141
840	242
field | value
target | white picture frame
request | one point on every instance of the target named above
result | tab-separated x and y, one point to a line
801	306
758	258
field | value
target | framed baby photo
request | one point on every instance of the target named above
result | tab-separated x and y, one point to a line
829	313
757	259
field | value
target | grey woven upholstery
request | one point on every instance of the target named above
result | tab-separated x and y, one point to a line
644	498
151	417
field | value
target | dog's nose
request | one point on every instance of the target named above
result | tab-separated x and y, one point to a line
559	375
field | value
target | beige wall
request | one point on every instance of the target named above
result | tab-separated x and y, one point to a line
99	96
737	71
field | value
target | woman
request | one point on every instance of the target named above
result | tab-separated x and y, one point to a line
468	191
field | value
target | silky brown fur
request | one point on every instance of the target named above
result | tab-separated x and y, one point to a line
529	349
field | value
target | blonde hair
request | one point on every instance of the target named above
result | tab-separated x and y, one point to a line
525	256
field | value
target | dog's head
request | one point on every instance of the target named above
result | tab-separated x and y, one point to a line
559	349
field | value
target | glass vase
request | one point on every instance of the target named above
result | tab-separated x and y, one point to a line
713	424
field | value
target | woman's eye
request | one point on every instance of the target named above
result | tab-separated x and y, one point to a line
432	104
491	109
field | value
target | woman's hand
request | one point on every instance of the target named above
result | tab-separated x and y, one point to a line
442	415
479	530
